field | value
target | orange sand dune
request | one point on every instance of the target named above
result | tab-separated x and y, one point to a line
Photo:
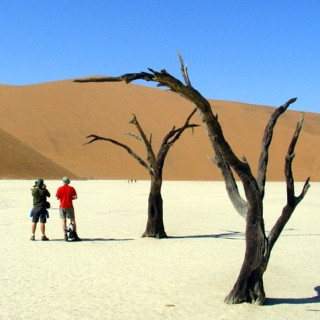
16	157
45	128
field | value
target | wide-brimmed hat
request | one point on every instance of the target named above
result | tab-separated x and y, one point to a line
65	180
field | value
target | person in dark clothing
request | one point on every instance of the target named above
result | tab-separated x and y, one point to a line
39	211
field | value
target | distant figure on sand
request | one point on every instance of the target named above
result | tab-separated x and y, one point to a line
66	194
39	212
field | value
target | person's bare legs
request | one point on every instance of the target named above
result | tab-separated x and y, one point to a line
43	228
33	227
43	231
73	221
64	226
33	230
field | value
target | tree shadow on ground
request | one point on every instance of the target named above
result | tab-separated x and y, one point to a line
288	233
233	235
308	300
227	235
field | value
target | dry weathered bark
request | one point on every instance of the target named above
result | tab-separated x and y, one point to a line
249	285
154	164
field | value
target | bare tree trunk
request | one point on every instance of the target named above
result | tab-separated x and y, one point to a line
249	285
155	225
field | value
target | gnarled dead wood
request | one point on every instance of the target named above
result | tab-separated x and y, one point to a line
249	285
154	164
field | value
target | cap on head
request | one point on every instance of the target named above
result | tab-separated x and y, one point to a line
65	180
39	183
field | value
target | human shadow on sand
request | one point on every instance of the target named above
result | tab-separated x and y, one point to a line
103	239
275	301
93	240
233	235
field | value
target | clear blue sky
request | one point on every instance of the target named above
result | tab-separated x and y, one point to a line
254	51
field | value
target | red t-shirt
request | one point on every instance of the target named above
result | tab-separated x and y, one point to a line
66	194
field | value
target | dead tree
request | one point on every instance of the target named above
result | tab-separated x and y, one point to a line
249	285
154	164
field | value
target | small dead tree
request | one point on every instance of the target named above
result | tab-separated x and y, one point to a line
154	164
249	285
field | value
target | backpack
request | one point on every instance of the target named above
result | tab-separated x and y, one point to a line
72	235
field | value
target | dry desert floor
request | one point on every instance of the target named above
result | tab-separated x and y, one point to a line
115	274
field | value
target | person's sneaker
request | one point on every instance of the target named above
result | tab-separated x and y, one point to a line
77	239
66	237
44	238
32	238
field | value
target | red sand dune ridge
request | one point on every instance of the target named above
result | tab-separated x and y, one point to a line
44	128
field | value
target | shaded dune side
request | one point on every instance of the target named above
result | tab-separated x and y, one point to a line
54	119
18	160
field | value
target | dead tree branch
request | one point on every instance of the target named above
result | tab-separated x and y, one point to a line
266	141
292	200
95	137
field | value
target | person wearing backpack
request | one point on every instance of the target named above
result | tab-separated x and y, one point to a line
66	194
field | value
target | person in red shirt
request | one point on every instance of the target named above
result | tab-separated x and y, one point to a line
66	194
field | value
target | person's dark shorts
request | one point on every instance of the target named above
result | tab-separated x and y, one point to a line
39	213
66	213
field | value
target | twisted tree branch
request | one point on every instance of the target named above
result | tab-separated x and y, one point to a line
95	137
292	200
265	144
